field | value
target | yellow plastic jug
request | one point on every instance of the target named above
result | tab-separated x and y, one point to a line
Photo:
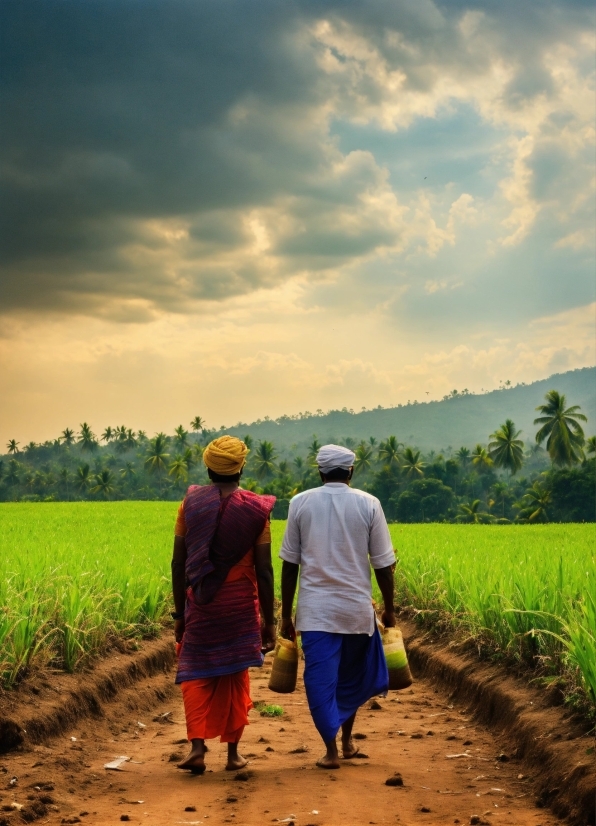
400	675
284	671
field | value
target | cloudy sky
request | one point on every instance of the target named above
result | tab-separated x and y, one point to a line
239	209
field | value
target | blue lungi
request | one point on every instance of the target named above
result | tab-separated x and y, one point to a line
342	671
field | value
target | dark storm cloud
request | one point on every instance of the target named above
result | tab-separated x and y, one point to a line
117	114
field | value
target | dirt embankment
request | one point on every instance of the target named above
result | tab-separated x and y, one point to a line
472	746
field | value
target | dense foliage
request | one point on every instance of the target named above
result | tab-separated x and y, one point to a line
502	481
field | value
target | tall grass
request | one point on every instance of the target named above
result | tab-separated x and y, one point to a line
75	577
526	591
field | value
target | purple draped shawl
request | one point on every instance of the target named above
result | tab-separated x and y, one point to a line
219	532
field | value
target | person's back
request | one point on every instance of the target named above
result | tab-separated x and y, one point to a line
333	536
336	528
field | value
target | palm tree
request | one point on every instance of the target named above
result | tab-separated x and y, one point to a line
313	449
248	441
363	458
12	446
87	438
534	504
264	460
12	475
480	459
471	513
501	494
128	472
181	436
463	457
107	435
68	436
141	436
198	423
104	483
506	450
178	468
82	477
411	464
561	428
389	451
157	456
591	444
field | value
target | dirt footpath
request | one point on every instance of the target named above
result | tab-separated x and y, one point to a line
452	769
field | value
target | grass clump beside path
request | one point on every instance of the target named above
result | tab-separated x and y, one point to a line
74	577
527	591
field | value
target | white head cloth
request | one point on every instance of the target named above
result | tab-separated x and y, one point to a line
332	456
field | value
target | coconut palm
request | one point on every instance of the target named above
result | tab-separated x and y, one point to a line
12	474
141	436
264	460
463	457
82	477
561	429
68	436
591	445
389	451
128	472
87	438
107	435
534	504
178	468
12	446
363	457
104	483
506	450
198	423
313	449
480	459
156	456
181	436
411	464
471	513
248	441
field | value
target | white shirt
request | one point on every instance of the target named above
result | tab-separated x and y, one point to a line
335	533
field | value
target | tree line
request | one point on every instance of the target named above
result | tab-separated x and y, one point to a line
502	481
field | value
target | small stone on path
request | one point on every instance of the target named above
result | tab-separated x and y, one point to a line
395	780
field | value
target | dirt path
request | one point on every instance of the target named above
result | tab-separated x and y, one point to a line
413	732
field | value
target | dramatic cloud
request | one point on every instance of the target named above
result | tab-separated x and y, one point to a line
421	170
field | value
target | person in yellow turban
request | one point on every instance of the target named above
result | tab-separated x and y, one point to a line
222	581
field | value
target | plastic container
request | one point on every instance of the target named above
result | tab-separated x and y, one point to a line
400	675
284	670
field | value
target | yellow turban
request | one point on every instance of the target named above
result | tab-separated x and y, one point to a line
225	455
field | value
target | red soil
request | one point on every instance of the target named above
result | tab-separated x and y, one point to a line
416	733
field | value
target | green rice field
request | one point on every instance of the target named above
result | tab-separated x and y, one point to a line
74	577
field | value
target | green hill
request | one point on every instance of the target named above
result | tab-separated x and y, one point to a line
461	420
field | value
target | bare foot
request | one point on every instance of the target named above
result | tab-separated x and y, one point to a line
328	762
195	762
235	763
350	751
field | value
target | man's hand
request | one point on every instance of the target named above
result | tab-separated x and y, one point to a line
287	630
388	619
268	636
179	629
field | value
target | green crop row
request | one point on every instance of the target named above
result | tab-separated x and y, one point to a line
76	577
528	592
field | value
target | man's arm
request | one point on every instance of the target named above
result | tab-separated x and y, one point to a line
384	578
179	583
289	580
264	571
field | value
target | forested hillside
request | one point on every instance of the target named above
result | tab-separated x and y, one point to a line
461	419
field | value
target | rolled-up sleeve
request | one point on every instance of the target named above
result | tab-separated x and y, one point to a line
290	547
380	547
